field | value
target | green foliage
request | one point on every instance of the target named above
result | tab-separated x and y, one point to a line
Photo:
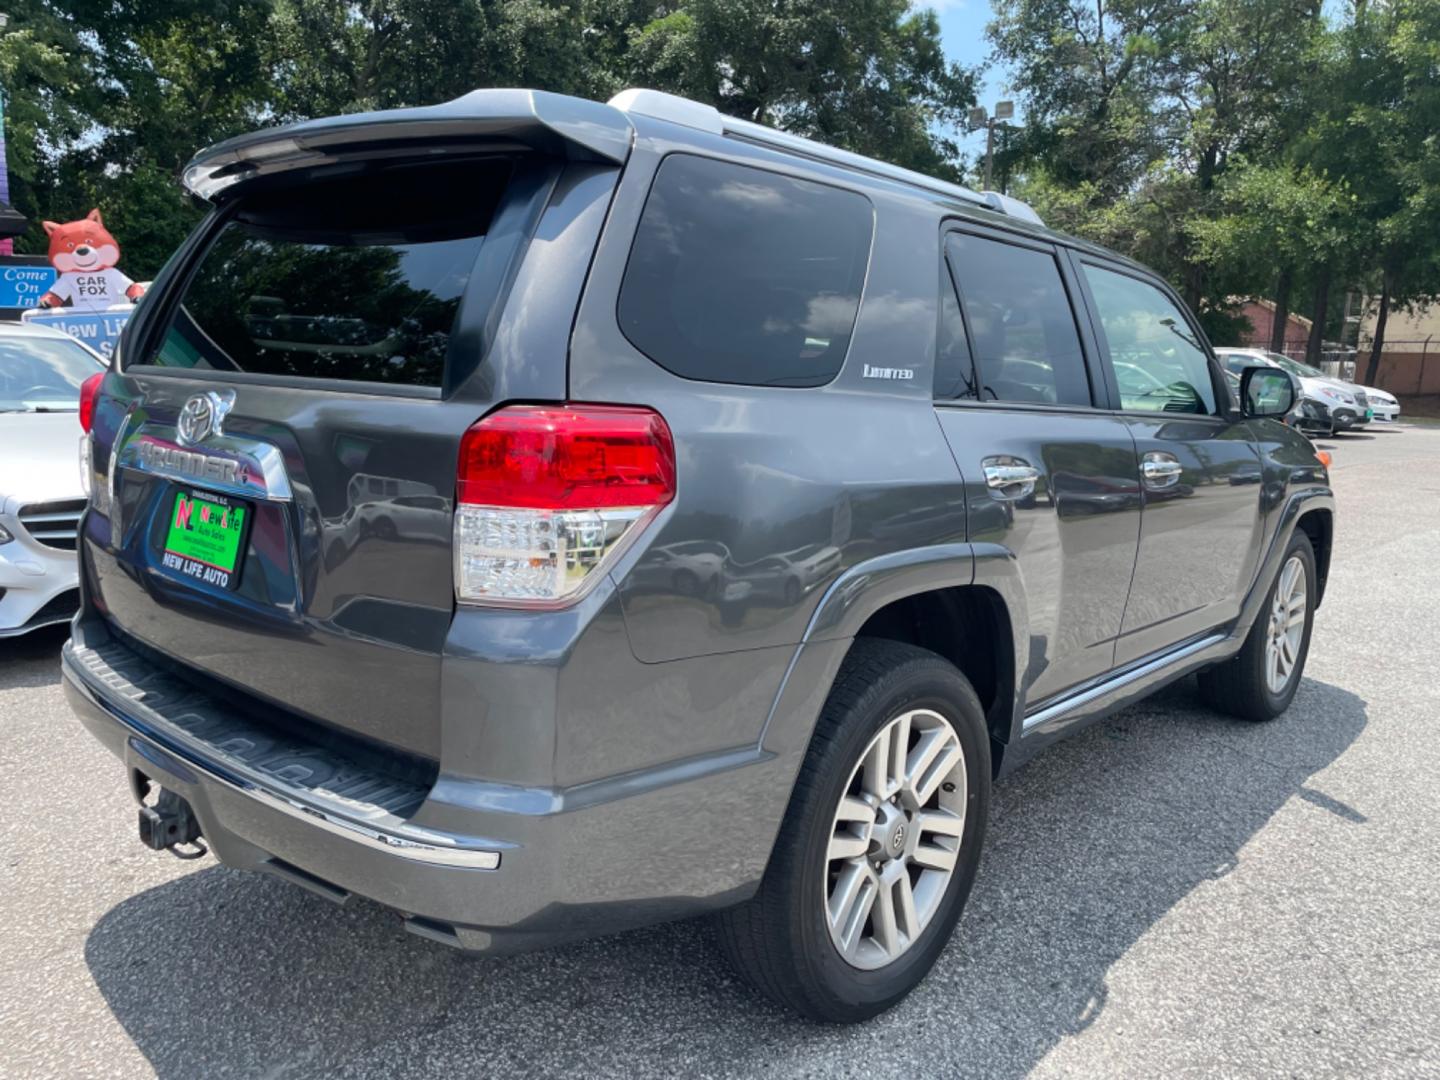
107	99
795	64
1234	144
1091	76
1269	215
1228	143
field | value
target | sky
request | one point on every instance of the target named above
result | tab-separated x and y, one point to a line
962	32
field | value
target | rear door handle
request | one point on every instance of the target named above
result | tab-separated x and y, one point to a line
1160	470
1010	478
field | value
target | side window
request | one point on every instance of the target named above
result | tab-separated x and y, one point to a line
1159	363
1022	328
954	370
740	275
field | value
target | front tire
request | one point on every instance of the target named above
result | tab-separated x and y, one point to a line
1260	681
880	844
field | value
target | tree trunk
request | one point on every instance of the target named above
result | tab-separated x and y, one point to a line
1319	310
1387	286
1194	287
1282	310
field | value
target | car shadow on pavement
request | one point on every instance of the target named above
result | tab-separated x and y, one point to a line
226	973
33	660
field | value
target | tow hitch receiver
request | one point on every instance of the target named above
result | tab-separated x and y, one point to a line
170	825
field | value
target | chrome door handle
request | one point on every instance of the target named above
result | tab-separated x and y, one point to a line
1010	478
1160	470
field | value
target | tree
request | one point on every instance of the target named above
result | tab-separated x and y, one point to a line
108	99
333	57
1091	76
1276	221
146	84
50	97
1139	108
868	75
1380	122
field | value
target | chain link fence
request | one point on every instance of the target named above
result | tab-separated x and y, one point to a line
1408	367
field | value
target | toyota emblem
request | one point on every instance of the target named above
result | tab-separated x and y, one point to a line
203	415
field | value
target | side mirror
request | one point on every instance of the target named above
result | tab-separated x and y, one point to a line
1266	392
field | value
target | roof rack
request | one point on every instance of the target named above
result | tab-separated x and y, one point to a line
694	114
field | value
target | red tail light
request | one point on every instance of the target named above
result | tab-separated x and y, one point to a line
559	457
550	495
88	389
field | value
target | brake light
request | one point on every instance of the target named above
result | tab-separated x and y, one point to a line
549	496
88	390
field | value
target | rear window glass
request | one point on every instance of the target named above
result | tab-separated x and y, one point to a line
739	275
357	279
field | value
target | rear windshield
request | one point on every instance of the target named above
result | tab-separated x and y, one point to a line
353	279
741	275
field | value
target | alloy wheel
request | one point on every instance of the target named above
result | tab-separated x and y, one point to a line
1287	626
895	839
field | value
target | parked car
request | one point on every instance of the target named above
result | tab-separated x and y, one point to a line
1343	405
1381	404
723	355
1384	405
41	493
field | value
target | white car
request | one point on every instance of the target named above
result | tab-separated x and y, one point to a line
41	494
1385	405
1346	405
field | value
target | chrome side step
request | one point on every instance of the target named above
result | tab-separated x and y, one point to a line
1102	694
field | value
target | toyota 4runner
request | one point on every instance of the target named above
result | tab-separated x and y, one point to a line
545	518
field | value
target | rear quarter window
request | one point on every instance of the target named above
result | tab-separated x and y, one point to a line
740	275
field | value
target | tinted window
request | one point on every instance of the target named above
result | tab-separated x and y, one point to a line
1159	362
354	279
1022	329
740	275
954	371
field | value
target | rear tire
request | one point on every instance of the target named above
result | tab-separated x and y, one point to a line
1259	683
787	940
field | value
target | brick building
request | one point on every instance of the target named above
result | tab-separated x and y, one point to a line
1261	314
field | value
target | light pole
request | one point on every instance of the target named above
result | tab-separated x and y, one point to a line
1004	110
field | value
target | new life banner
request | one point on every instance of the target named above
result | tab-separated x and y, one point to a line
99	329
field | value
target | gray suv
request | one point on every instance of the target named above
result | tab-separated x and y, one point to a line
546	518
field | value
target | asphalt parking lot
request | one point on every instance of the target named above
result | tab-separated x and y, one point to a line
1171	893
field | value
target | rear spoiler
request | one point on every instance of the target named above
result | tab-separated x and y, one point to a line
554	124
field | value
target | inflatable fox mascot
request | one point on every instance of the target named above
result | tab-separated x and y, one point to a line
85	254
